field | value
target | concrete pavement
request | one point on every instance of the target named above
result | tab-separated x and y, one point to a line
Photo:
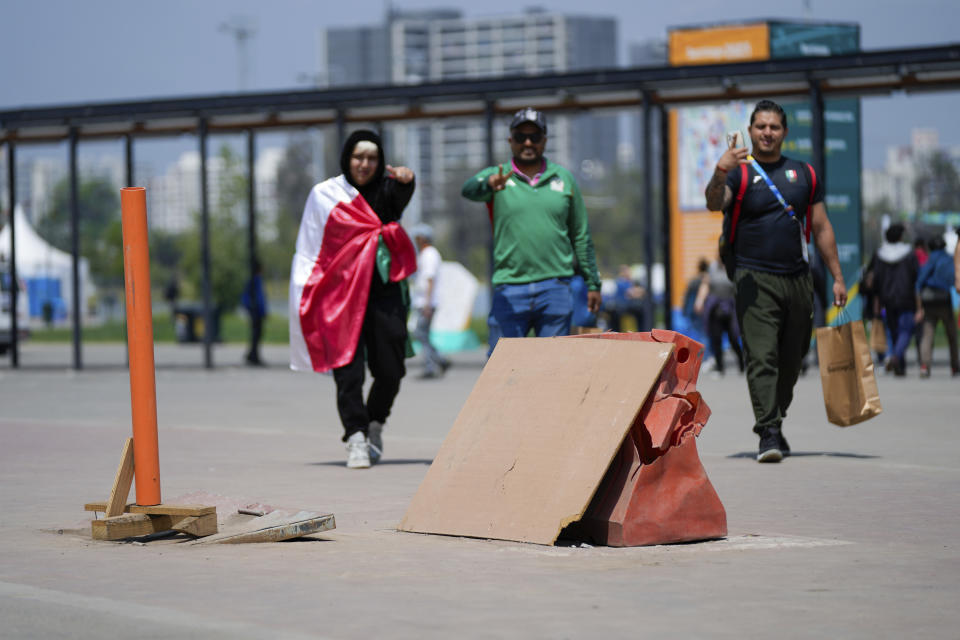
854	536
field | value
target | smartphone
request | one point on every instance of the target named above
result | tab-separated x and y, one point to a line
734	139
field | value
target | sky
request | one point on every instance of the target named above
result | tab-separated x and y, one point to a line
57	52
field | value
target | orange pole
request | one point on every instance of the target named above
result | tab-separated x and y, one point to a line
143	387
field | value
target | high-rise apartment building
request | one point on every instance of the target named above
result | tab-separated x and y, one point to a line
437	45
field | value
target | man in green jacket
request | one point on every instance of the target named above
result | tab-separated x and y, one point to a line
540	235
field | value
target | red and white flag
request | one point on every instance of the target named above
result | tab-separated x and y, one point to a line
331	271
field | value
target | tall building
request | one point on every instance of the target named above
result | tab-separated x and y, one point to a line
436	45
895	184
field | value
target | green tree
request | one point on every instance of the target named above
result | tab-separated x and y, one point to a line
467	223
228	256
615	209
166	254
937	186
100	229
294	181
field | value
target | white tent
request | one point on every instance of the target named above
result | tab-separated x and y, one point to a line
37	258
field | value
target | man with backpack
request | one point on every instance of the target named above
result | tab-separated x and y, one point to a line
773	205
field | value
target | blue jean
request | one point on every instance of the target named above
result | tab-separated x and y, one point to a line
546	306
901	326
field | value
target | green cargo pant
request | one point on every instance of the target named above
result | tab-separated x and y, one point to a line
776	320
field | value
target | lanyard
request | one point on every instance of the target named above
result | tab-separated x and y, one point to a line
763	174
786	207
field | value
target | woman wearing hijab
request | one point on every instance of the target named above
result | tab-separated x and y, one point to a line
348	298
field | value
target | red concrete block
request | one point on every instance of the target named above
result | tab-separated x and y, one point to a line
656	490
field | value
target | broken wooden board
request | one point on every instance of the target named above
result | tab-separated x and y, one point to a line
535	438
130	525
276	526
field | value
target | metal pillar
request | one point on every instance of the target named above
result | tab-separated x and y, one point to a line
818	157
664	117
648	205
128	157
128	166
488	119
14	278
489	116
74	140
341	124
817	129
208	320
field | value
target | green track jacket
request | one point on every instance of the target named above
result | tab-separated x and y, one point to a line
537	230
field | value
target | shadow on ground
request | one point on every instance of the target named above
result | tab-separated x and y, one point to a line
801	454
382	463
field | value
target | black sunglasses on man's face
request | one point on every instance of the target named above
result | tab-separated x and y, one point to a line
535	137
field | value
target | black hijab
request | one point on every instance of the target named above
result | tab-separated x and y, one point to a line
386	196
370	189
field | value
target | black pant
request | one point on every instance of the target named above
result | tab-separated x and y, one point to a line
382	345
718	324
256	332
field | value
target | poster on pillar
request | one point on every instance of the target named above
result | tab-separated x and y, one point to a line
841	178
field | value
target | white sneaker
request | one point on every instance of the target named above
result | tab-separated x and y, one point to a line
358	452
375	440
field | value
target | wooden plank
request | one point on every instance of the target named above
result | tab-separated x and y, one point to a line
97	506
120	527
198	526
121	483
130	525
275	527
157	509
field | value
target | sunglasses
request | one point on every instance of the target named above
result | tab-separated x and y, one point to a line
535	137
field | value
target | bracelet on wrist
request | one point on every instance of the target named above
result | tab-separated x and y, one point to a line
723	171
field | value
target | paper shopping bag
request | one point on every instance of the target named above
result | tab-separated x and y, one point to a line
878	336
850	392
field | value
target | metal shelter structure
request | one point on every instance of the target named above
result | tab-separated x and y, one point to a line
648	89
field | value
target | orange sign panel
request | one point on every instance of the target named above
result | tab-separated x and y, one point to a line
719	44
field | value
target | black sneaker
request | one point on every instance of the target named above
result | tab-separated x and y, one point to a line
770	449
784	447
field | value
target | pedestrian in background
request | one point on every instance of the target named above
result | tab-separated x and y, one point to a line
691	293
425	298
956	265
870	310
255	302
628	300
934	282
717	305
921	248
896	282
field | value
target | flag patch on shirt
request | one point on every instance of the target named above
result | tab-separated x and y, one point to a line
791	175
